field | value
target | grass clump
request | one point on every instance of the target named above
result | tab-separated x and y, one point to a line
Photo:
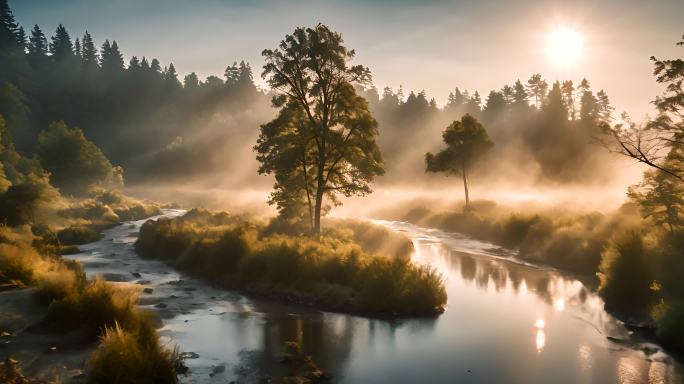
11	373
89	306
334	273
132	354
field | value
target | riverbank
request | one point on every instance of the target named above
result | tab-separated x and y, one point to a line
633	266
58	325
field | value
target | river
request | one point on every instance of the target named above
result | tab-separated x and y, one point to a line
506	322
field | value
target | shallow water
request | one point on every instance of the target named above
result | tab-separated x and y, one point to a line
506	322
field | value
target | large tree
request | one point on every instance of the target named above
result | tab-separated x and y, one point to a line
466	140
323	142
662	138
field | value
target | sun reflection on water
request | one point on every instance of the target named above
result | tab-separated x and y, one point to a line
540	340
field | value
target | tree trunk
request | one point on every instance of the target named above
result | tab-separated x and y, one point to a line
317	218
320	189
465	186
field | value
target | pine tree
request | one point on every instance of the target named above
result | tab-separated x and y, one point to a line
111	59
537	88
605	110
508	94
495	104
588	104
171	76
89	52
232	74
9	30
61	47
191	81
38	44
134	64
77	49
519	95
568	91
144	65
475	102
21	38
155	66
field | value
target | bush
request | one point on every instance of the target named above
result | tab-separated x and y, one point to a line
76	164
106	207
132	355
670	321
90	306
626	277
18	263
335	272
78	234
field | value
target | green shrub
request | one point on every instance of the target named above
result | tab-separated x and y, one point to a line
74	162
626	277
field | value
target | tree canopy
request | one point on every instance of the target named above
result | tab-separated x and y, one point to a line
75	163
466	140
323	141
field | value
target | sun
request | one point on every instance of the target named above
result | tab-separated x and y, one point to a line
565	46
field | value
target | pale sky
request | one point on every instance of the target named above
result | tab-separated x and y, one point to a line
433	45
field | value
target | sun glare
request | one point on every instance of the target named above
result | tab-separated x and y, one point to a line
565	46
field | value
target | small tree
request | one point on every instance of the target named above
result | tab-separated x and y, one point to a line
466	140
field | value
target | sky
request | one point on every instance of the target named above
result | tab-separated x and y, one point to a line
431	45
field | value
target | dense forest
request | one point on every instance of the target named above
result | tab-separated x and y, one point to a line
143	115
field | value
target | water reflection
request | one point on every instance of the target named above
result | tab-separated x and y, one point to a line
495	310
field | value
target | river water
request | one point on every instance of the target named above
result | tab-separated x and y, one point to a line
506	322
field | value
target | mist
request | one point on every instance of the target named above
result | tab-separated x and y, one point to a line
439	191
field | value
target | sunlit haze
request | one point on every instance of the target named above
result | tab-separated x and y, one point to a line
434	45
341	191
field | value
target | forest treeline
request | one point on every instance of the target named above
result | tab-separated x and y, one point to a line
143	115
140	113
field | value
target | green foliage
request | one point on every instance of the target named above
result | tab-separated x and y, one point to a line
660	197
323	141
466	141
76	164
625	275
334	273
